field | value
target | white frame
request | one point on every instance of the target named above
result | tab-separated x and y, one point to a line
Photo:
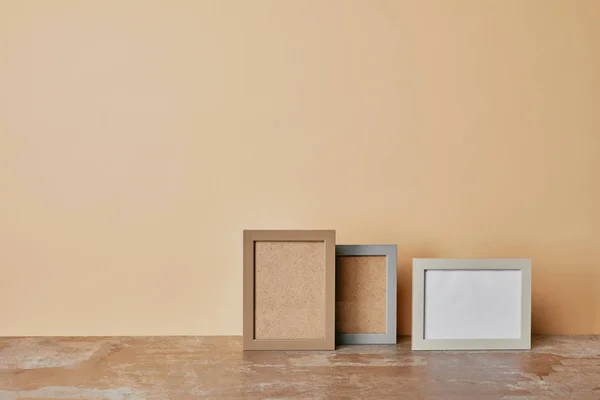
421	265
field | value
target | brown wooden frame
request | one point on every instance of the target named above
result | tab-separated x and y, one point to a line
252	236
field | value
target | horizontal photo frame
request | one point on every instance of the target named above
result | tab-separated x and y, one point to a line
471	304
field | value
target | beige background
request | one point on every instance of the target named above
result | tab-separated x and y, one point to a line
138	139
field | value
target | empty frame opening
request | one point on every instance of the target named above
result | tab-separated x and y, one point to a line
360	294
289	290
472	304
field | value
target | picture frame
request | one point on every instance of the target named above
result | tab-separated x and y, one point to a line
289	290
496	292
390	252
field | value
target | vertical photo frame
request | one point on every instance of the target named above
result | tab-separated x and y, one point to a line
366	280
289	290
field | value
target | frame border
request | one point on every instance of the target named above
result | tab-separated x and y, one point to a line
390	251
325	236
420	265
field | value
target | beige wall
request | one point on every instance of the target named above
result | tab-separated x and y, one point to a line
138	139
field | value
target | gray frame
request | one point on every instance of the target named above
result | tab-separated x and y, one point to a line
420	265
390	251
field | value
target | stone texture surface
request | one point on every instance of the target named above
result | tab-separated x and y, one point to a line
119	368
